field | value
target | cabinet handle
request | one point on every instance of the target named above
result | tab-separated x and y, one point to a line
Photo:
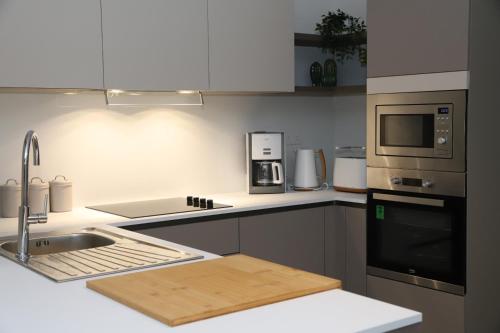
411	200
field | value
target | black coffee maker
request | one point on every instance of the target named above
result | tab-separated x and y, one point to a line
265	159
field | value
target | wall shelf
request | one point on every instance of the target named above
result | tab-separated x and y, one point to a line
333	91
300	91
313	40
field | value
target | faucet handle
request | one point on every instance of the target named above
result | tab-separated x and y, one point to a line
40	217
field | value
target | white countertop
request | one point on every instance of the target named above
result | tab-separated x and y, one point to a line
33	303
240	201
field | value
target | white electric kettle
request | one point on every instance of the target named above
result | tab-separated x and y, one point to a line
306	177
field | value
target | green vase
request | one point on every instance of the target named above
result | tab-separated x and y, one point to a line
316	73
330	73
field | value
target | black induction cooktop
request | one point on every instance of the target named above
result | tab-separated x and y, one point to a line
137	209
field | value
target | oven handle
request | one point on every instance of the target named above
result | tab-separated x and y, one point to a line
411	200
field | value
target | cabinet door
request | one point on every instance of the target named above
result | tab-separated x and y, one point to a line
442	312
293	238
345	246
414	37
251	45
219	236
50	44
356	250
155	44
336	243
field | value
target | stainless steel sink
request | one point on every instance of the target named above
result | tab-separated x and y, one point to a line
91	252
64	243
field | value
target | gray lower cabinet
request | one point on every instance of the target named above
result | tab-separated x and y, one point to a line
355	280
218	236
442	312
335	243
294	238
345	246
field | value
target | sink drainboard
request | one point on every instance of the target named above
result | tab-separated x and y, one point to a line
124	255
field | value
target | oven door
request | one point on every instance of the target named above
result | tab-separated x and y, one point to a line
414	130
418	239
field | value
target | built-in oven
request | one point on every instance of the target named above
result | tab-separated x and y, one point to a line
416	234
424	130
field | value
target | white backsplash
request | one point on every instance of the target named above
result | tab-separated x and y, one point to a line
115	154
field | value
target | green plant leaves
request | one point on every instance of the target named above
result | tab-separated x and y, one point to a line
343	35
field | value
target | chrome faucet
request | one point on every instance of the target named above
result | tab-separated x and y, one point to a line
25	217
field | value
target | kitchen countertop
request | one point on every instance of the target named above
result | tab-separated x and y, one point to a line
241	202
33	303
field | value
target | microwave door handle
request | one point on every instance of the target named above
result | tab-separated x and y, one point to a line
410	200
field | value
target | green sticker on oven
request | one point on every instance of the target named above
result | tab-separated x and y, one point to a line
379	212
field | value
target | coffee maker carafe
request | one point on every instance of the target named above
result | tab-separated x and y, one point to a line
265	158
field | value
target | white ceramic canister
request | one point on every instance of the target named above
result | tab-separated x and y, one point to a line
61	194
10	195
38	190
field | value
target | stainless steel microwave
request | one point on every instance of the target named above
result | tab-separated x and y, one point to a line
423	131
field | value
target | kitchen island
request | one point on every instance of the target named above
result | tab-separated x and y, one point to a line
35	303
32	302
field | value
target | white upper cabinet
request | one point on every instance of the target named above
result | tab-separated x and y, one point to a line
251	45
50	44
156	45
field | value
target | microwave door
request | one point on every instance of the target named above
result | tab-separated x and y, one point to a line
406	130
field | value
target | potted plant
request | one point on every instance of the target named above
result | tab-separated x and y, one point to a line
344	36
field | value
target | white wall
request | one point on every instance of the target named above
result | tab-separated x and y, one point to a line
349	121
308	12
128	154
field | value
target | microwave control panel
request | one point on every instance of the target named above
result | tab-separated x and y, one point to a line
443	136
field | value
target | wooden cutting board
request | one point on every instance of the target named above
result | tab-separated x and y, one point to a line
191	292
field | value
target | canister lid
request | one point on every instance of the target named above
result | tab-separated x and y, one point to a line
60	180
38	186
11	185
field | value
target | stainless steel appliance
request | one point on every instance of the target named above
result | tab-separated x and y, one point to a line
417	130
417	238
265	162
416	176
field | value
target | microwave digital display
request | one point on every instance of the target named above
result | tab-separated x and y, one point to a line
443	110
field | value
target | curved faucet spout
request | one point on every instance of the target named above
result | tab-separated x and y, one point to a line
31	139
25	218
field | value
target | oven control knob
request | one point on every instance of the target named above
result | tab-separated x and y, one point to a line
427	183
396	180
442	140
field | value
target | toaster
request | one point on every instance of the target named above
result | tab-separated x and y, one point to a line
349	174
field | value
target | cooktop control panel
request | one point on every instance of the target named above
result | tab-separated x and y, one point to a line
200	202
